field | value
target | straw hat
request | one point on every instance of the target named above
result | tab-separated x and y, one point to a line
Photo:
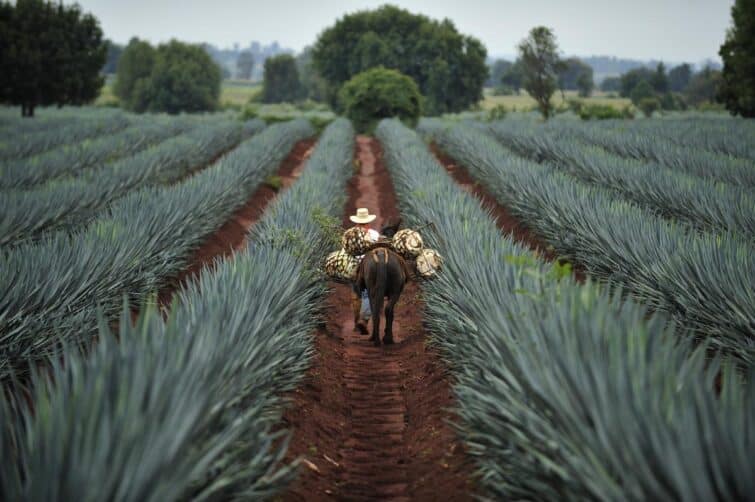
362	216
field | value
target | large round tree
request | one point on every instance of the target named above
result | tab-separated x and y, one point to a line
737	89
448	67
281	80
379	93
175	77
135	64
50	54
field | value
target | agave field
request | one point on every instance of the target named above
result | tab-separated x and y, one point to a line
636	383
678	243
576	391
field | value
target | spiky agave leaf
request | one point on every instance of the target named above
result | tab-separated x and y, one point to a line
27	215
187	409
566	391
703	280
709	206
68	160
706	164
146	239
34	138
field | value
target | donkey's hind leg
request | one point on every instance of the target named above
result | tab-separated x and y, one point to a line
388	338
376	304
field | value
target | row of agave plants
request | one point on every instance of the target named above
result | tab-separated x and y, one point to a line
724	135
703	280
51	290
687	158
27	215
187	407
699	202
72	159
24	138
567	391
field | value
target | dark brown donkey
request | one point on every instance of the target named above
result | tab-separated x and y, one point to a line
383	273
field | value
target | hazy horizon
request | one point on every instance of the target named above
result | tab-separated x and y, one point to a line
677	30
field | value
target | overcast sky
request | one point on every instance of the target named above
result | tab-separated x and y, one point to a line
672	30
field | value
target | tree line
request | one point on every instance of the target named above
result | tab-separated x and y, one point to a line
675	89
540	71
55	55
572	74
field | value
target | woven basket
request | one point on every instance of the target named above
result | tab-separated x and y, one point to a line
407	243
429	263
341	266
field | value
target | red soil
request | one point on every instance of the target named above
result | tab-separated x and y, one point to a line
232	235
371	422
507	223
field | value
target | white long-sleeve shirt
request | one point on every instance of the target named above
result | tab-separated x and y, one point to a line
373	235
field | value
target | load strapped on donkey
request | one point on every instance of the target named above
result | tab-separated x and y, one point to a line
342	265
380	269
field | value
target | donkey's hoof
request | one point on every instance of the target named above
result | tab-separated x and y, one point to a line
376	341
362	328
388	340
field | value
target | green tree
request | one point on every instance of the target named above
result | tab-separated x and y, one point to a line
438	87
371	51
703	87
649	105
737	89
380	93
630	79
673	101
497	70
585	84
7	51
281	81
176	77
426	50
611	84
184	79
679	77
313	86
540	64
643	90
135	65
659	81
571	70
52	54
513	76
244	65
576	75
114	52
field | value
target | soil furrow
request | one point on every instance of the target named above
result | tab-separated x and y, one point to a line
222	243
231	236
371	422
507	223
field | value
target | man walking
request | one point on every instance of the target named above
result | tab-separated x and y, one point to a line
361	302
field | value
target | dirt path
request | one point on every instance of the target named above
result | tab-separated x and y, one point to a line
507	223
232	235
371	422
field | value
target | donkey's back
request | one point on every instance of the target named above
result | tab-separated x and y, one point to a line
383	273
